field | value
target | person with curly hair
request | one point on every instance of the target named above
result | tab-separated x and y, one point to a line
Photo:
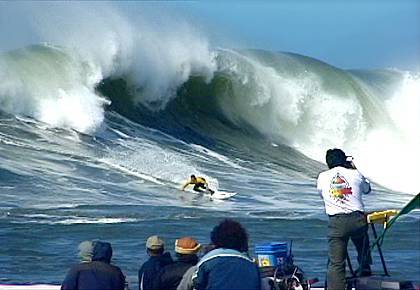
228	265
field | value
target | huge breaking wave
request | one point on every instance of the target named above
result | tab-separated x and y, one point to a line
172	79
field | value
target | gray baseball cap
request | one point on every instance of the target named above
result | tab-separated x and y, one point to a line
154	243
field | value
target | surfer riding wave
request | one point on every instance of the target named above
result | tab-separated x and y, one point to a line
200	184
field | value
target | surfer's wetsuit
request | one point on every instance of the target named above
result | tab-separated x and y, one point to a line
200	184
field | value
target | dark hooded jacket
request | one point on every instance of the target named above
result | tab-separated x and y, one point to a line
95	275
150	269
171	275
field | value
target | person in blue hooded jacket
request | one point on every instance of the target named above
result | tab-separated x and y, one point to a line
98	274
228	266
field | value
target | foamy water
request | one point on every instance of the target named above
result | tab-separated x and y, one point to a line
97	140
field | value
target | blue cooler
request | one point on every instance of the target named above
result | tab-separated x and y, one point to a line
271	254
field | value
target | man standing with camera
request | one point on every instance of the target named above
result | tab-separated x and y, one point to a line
341	187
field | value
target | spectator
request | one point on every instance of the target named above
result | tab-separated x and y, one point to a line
187	282
98	274
86	251
228	266
158	259
186	252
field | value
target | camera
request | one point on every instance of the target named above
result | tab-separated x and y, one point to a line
349	162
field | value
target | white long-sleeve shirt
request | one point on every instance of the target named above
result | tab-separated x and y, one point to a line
342	189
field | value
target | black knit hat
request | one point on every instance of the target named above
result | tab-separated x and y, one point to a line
335	157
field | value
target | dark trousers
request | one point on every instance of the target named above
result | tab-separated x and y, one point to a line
200	187
341	228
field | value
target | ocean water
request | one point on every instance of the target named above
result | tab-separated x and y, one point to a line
96	143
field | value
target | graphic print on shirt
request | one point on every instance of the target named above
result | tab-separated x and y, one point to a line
339	188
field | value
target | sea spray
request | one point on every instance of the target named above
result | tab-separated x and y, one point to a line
48	84
292	100
56	81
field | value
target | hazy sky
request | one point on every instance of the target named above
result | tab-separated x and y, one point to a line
350	34
347	34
